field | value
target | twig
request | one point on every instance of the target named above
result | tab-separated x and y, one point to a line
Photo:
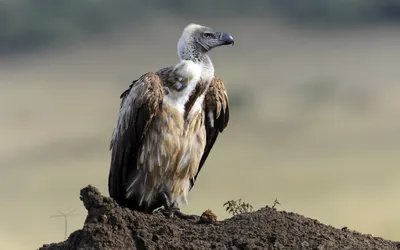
65	215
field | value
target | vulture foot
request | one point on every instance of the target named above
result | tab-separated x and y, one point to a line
171	210
176	212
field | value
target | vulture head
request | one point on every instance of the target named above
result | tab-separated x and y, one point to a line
196	40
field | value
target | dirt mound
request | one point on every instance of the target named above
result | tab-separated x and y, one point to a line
108	226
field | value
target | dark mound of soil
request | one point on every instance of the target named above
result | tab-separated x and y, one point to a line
108	226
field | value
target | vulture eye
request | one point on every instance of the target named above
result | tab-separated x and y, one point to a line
206	35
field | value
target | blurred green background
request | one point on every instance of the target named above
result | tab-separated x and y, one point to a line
314	90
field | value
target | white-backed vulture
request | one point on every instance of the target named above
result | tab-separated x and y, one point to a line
167	125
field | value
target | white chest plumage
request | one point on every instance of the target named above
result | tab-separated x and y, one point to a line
187	71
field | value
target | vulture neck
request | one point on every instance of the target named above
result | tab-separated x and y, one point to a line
205	63
187	52
194	99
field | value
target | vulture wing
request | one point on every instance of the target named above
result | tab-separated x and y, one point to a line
140	103
216	109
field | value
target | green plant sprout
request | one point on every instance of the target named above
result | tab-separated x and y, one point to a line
237	207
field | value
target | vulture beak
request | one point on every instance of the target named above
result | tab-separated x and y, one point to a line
225	38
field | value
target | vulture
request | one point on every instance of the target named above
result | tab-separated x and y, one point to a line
168	123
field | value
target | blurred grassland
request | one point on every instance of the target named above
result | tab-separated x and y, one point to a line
315	123
27	25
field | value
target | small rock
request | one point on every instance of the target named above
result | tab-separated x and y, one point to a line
208	217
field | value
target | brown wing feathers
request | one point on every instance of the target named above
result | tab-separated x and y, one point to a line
138	106
216	108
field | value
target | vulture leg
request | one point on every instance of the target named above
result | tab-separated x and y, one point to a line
171	210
